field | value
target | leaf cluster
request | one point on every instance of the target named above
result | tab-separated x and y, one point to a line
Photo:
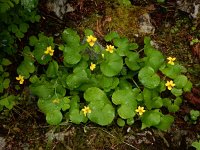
120	82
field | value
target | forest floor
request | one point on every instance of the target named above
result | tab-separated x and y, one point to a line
25	128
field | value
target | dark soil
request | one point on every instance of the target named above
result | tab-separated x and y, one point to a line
24	127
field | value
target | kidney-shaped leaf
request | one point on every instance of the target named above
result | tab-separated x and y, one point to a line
112	65
102	111
54	117
180	81
148	77
151	118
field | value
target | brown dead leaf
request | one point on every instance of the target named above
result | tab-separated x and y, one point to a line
196	50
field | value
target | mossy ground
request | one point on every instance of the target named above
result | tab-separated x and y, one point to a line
25	128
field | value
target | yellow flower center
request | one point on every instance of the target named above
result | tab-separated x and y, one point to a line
171	60
110	48
56	101
20	78
92	66
86	110
49	51
140	110
170	84
91	40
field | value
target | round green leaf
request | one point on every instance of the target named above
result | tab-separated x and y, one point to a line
6	62
173	108
187	87
126	111
102	116
110	36
130	121
180	81
131	61
6	83
148	77
150	118
155	59
54	117
95	94
120	122
157	102
177	92
165	122
71	55
112	65
76	79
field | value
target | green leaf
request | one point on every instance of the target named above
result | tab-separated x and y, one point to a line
72	55
95	94
173	108
172	71
149	96
196	145
177	92
125	2
148	77
132	61
26	67
154	59
112	65
6	62
103	115
42	90
52	69
157	102
180	81
122	44
178	101
165	122
19	34
102	111
71	38
133	46
77	78
127	101
107	83
124	84
150	118
23	27
120	122
160	1
6	83
14	28
33	40
8	101
54	117
74	114
187	87
88	32
130	121
110	36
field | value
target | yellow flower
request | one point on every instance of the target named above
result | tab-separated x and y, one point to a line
110	48
92	66
21	79
49	51
140	110
171	60
56	101
86	110
91	40
170	85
